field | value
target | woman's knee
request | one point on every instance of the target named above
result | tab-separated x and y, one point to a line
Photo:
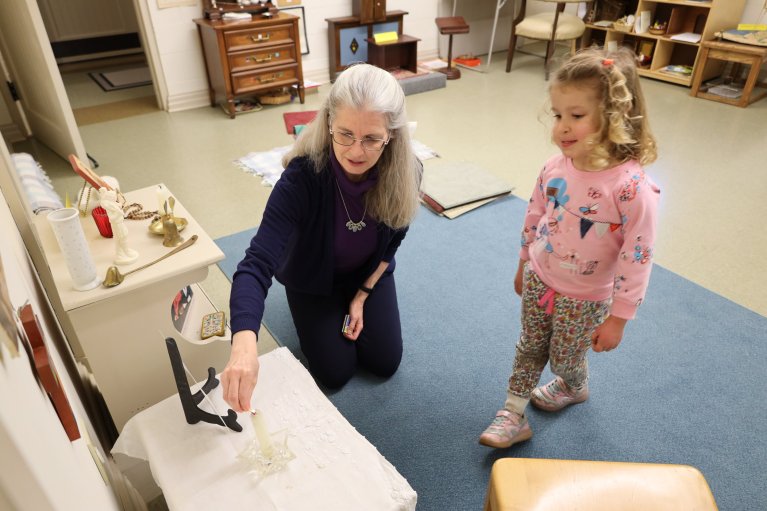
332	378
383	363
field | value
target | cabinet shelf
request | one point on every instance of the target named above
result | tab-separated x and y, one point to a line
200	305
704	18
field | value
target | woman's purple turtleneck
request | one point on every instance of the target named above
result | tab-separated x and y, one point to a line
352	249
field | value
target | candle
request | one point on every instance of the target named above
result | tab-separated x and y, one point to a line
259	426
162	197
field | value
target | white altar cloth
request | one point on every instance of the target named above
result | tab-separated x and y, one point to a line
335	467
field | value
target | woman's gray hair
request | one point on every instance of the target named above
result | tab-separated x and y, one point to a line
395	198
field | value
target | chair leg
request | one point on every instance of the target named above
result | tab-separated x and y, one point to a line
510	54
549	51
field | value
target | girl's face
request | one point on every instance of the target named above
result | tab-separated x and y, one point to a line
577	116
369	130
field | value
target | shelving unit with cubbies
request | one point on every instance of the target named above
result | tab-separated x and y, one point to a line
682	16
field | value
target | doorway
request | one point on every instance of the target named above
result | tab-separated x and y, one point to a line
100	57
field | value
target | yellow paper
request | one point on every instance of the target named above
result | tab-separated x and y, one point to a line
67	202
751	26
385	37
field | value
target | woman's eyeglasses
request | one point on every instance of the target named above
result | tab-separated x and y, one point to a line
368	143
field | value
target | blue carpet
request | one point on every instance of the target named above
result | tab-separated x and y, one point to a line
686	385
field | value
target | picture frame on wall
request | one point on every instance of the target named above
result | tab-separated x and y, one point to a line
298	10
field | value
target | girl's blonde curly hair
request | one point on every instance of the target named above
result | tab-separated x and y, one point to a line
624	133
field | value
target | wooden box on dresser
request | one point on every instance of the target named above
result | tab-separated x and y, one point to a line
246	58
703	17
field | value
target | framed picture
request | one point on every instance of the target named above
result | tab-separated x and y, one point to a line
166	4
85	172
645	51
304	39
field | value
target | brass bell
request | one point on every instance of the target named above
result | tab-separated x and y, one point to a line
171	237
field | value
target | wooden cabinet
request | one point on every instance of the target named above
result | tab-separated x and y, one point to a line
369	11
246	58
663	50
348	38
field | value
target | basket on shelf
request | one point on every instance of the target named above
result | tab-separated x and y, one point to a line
658	28
622	27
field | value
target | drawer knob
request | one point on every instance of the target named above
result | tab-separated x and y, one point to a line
260	37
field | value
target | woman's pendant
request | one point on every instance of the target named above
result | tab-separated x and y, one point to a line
355	226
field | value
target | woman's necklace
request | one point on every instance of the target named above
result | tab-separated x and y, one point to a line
351	224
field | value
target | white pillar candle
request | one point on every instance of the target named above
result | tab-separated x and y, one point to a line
162	197
259	426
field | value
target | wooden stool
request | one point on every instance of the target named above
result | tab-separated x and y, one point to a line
451	25
753	56
562	485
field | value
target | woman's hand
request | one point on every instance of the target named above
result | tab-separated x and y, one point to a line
355	316
608	335
241	372
518	277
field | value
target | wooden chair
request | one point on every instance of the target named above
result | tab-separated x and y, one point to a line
547	26
451	25
565	485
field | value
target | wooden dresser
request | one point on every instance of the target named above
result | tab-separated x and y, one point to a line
247	58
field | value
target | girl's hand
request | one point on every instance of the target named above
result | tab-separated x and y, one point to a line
355	316
518	277
608	335
241	372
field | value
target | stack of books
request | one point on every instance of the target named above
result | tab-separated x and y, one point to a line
452	189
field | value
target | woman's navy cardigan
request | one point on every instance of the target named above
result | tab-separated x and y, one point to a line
294	243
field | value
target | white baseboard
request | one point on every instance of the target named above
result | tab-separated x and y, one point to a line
188	100
11	133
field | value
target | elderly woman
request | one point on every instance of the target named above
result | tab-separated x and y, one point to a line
329	233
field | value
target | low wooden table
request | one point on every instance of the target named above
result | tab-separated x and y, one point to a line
401	53
753	56
561	485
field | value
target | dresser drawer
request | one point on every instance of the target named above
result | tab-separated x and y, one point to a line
255	80
262	57
246	39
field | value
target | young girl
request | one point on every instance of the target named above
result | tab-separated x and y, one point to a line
587	240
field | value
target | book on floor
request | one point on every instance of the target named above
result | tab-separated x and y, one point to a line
465	185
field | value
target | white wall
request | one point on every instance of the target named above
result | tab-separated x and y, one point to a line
42	469
182	70
753	12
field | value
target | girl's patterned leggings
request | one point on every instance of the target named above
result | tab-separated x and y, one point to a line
555	329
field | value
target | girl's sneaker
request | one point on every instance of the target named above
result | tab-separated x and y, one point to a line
507	429
556	395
